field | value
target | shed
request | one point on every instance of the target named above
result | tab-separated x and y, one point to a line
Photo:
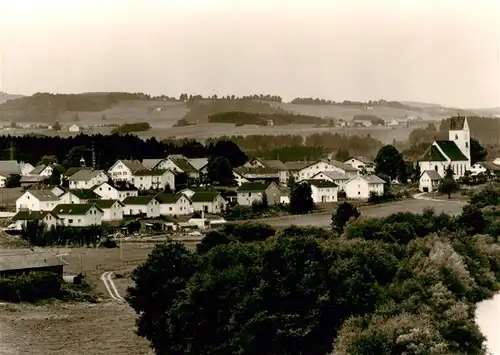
20	263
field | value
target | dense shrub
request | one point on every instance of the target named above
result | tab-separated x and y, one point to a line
132	127
36	233
30	287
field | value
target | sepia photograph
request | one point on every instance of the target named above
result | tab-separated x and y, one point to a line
245	177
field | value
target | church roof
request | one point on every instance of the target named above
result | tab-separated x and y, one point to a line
433	154
451	150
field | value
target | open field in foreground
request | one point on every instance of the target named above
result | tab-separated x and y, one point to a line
415	206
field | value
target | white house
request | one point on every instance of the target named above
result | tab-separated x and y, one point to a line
239	178
496	161
174	204
138	205
337	178
3	179
208	202
42	170
180	165
26	168
37	200
109	191
153	179
361	163
484	167
361	186
112	209
323	191
46	217
199	164
85	179
123	170
78	196
79	215
429	181
74	128
454	153
251	192
326	165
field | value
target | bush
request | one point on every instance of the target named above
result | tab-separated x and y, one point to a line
132	127
30	287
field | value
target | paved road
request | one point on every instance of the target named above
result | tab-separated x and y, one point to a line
416	205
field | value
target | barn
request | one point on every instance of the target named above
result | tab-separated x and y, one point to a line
20	262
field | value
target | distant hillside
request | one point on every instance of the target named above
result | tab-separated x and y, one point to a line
4	97
247	118
484	129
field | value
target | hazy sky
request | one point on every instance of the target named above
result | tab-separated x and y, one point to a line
436	51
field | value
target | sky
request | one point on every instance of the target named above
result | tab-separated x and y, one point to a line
445	51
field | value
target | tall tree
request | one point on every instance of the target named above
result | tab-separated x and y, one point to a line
389	161
345	211
448	184
219	172
477	151
55	178
301	199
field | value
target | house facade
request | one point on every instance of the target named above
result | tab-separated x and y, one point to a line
153	179
174	204
208	202
361	186
252	192
23	217
123	170
338	179
26	168
78	196
37	200
43	171
139	205
326	165
86	179
429	181
361	163
112	209
180	165
109	191
79	215
485	167
323	191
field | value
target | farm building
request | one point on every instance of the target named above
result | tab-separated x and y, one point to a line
22	262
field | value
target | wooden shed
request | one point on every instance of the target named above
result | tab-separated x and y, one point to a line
21	262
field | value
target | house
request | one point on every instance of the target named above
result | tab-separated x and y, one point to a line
25	168
291	169
361	163
109	191
74	128
454	153
496	161
3	179
123	170
43	171
326	165
79	215
264	163
153	179
200	164
9	167
139	205
323	191
181	165
485	167
251	192
239	178
80	196
22	217
285	195
112	209
256	174
208	202
174	204
361	186
155	163
429	181
337	178
29	180
57	190
86	179
18	263
37	200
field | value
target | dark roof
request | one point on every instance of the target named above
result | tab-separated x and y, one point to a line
204	196
321	183
30	215
451	150
85	194
184	165
457	123
433	174
433	154
29	261
200	189
74	208
169	197
253	186
103	204
149	172
120	186
137	200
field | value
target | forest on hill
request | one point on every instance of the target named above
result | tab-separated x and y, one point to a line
249	118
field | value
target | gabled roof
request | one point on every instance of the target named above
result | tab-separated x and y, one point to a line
320	183
433	154
256	171
105	204
451	150
43	194
84	194
371	179
38	169
74	209
167	198
74	170
133	165
138	200
254	187
432	174
150	172
31	179
184	165
296	165
274	164
362	159
23	261
151	163
118	186
198	163
335	163
9	167
334	175
84	175
31	215
204	196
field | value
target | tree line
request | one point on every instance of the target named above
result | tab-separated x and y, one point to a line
404	284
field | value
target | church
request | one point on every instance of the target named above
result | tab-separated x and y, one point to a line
454	153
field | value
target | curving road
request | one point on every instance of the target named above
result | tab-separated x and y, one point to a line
106	278
416	205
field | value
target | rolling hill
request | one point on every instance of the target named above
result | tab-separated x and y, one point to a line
4	97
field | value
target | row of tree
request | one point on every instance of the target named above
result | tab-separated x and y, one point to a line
404	284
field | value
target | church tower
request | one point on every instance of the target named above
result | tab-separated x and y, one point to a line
460	134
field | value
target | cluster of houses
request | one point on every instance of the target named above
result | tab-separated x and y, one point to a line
95	196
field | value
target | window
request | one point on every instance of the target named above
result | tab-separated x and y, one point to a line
170	208
79	220
456	136
466	144
70	221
